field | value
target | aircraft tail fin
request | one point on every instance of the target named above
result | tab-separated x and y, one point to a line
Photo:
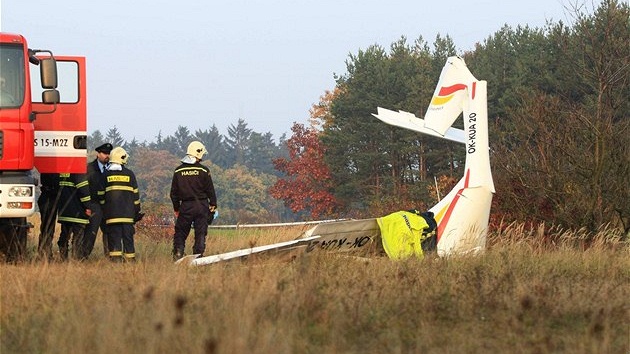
450	95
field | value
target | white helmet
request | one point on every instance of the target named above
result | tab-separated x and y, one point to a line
195	149
118	155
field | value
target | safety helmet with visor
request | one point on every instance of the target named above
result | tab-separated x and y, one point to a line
196	149
118	155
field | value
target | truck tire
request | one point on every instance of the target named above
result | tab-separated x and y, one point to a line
13	236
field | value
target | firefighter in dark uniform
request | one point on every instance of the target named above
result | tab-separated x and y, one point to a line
74	212
194	200
96	174
121	207
48	201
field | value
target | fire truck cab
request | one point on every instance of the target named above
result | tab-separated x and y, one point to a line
43	105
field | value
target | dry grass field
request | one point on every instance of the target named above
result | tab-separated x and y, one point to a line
521	296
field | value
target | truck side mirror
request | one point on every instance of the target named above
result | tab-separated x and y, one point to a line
48	74
50	96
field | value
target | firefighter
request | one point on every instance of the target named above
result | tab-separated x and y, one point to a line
194	200
120	201
96	173
74	213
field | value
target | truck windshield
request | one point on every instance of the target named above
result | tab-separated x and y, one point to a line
11	76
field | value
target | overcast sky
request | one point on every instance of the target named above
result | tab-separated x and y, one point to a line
154	65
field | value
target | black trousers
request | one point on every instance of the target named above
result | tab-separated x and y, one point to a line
91	231
47	203
120	240
71	231
194	212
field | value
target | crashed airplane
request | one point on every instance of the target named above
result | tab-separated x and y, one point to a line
462	215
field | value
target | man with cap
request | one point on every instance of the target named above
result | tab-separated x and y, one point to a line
194	199
96	177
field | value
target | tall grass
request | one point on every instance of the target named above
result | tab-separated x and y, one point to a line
517	297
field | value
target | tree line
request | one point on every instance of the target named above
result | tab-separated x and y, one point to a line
240	163
559	133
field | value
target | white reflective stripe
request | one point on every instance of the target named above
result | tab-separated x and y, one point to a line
57	144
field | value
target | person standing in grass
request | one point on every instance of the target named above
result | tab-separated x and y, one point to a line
121	207
74	213
47	202
194	200
96	172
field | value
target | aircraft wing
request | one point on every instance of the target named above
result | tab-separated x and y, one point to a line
343	236
280	246
410	121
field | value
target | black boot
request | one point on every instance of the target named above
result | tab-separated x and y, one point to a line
177	254
116	259
63	252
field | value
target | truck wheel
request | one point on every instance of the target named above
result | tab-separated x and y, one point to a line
13	235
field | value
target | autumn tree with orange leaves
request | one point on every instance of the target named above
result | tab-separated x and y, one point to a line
308	183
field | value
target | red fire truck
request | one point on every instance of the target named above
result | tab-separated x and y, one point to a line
42	130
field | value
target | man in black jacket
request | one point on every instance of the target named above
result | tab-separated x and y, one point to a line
74	213
96	172
194	199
